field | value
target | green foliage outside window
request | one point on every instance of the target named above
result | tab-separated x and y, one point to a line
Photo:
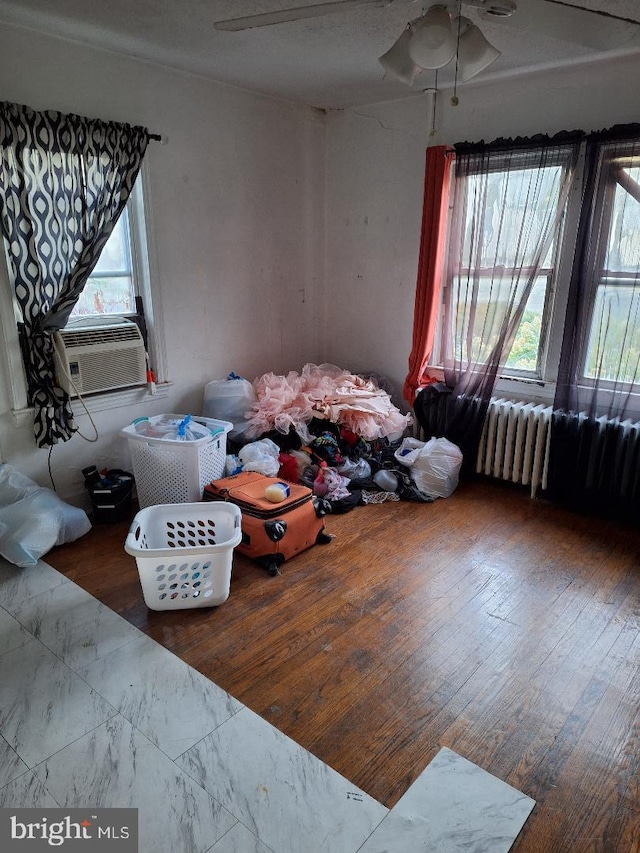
524	352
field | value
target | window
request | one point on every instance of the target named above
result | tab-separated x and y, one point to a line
612	350
505	230
573	296
111	288
500	202
119	284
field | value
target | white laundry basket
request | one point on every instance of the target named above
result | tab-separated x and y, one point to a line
184	553
170	471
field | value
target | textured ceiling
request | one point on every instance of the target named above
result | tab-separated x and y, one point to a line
326	62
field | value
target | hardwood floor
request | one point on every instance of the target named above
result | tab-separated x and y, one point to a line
503	628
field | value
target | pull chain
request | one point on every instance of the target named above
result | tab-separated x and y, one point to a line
454	98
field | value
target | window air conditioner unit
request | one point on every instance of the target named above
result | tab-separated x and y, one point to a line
99	354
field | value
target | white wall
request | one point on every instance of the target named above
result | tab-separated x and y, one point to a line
375	188
236	219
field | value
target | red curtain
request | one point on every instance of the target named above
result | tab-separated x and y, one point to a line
432	242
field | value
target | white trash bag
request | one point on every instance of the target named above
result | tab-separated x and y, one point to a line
434	465
172	428
261	456
34	519
231	400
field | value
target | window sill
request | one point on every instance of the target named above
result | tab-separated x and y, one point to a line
526	388
101	402
533	390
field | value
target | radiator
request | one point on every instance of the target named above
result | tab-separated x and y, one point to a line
628	459
599	455
515	443
604	452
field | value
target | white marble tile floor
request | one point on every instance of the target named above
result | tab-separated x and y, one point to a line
94	713
454	806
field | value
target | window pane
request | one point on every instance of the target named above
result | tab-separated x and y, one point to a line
116	257
110	288
613	351
623	249
106	296
486	310
502	225
478	313
526	346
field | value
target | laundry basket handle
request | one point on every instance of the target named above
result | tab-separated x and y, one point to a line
134	530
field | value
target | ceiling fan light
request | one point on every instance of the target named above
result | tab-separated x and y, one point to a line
433	42
475	53
397	62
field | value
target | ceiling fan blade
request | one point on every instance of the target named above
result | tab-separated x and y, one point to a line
295	14
596	12
573	23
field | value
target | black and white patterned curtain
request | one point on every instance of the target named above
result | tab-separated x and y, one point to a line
64	181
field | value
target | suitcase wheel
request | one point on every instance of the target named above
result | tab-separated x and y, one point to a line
275	530
323	538
321	506
271	563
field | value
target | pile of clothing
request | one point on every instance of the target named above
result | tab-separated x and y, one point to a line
328	429
323	392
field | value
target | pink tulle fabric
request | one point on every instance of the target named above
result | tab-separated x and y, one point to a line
327	392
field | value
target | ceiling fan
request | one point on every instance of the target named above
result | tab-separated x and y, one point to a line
440	33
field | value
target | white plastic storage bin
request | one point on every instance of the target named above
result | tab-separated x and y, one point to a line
169	471
184	553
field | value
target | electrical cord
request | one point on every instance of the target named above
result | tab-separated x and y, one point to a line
49	467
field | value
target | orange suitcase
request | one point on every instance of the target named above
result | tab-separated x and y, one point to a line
271	532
